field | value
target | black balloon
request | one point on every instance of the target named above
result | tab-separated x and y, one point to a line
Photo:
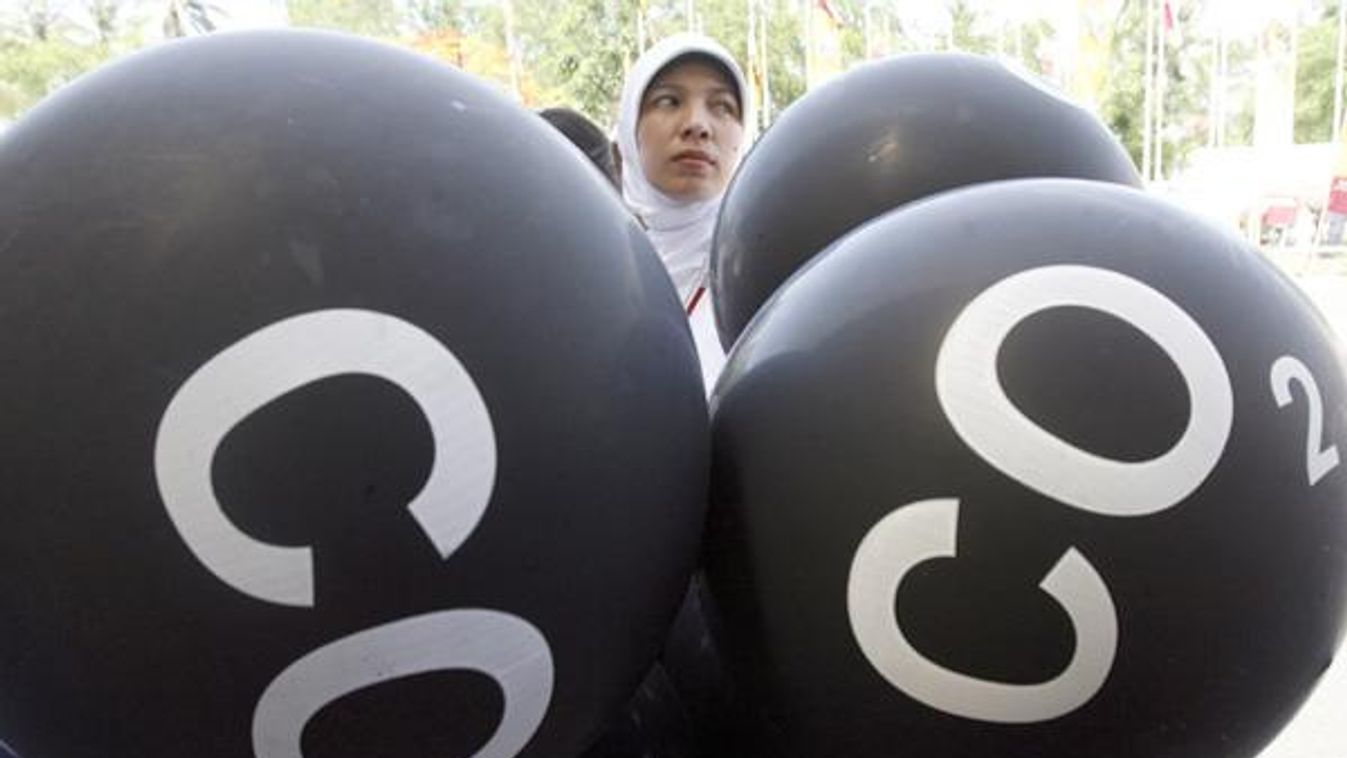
719	719
879	136
654	724
345	412
1035	469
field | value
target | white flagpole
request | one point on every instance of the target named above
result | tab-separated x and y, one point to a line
1148	85
1161	79
1223	49
512	50
765	114
1337	74
1214	107
751	40
640	27
869	39
809	64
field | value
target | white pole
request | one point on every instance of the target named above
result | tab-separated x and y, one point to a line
1337	74
512	50
1214	108
808	44
751	46
869	44
1225	67
765	114
1147	83
640	27
1161	80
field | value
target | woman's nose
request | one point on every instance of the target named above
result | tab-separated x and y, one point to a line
697	125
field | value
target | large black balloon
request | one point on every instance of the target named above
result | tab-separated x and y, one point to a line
345	412
882	135
654	724
1034	469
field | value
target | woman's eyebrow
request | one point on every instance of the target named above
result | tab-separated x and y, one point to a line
658	85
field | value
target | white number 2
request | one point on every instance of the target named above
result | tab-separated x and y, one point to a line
285	356
1318	460
977	407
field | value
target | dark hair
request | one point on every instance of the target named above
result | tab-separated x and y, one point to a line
585	135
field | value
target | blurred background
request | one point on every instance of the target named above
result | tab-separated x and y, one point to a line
1233	108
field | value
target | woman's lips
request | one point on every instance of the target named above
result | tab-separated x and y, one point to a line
694	157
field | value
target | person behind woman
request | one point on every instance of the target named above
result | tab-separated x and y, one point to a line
682	126
586	136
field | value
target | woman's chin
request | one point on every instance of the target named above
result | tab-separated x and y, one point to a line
691	189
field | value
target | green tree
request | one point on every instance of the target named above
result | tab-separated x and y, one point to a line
185	17
1184	99
851	14
580	50
1123	100
435	15
968	29
1187	95
373	18
106	15
1030	42
40	19
727	22
1240	82
785	55
32	69
43	47
1315	62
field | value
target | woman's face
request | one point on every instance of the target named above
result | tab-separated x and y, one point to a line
689	131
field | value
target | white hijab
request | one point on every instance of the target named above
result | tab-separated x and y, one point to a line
681	231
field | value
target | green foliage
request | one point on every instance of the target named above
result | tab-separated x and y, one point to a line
1241	92
1124	97
785	47
435	15
579	49
1031	40
31	69
1315	60
727	22
184	17
42	47
1186	93
968	30
576	53
374	18
852	15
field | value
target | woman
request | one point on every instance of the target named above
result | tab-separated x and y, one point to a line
682	126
